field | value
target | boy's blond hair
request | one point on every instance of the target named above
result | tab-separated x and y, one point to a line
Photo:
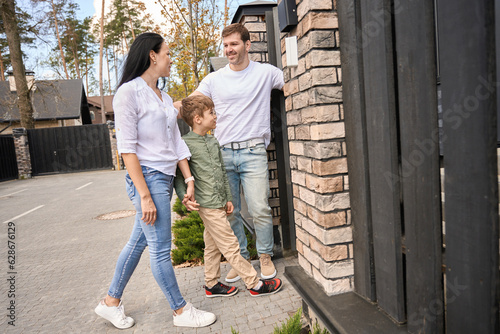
195	105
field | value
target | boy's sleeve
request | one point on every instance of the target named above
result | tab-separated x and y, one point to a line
227	188
180	185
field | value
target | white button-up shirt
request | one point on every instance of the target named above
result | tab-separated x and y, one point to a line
147	126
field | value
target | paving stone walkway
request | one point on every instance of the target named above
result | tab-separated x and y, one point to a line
65	260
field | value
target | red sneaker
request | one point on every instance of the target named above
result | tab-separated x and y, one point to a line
268	287
220	290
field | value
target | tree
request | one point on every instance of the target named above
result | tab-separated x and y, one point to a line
194	28
101	45
55	10
8	10
26	32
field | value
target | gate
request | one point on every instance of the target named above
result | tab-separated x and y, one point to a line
430	264
70	149
8	161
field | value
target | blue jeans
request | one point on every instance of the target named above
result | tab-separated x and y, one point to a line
158	237
248	167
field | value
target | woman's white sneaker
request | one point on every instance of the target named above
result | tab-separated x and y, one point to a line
192	317
115	315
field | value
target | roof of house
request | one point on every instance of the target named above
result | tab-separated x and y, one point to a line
252	8
52	100
95	101
217	63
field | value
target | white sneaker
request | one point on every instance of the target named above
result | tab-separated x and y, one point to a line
192	317
114	314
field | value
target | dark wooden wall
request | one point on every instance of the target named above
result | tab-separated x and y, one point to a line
389	65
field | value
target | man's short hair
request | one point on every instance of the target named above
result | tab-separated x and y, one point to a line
195	105
237	28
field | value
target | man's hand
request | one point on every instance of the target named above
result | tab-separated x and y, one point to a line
229	208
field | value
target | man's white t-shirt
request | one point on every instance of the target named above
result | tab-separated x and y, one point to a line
242	101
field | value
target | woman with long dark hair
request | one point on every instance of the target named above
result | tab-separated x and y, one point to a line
150	144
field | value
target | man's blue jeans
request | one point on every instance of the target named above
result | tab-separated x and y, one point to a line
248	167
158	237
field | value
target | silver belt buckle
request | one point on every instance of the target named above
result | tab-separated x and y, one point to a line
233	144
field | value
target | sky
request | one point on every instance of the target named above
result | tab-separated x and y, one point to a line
35	56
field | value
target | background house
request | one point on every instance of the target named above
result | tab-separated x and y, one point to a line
95	108
56	103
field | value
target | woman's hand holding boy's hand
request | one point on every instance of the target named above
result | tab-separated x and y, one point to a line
229	208
190	203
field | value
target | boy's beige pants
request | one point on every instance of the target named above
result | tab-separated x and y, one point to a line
220	239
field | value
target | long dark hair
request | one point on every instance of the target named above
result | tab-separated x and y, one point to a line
137	61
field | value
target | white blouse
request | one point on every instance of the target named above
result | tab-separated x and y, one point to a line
147	126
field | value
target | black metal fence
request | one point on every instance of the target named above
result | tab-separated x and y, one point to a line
434	279
70	149
8	161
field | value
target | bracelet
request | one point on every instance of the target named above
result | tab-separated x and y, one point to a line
191	178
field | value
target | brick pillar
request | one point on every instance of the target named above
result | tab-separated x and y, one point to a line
114	147
318	152
22	152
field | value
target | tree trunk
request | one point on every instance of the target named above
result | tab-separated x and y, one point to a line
125	40
109	75
54	12
13	39
87	73
86	70
115	62
130	21
226	14
101	88
194	63
75	50
2	68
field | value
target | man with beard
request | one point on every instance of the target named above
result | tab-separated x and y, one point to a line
241	92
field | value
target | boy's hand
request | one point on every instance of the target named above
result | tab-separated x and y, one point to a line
229	208
190	203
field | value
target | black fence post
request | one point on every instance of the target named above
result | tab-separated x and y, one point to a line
469	83
383	154
419	140
355	127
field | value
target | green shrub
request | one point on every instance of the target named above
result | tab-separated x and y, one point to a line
252	249
188	239
292	325
179	208
317	330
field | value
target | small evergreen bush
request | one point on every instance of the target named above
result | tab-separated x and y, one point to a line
292	325
252	249
188	239
188	236
179	208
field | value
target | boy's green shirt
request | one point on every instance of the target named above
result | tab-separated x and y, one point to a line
211	187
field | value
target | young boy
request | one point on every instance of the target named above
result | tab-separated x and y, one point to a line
213	196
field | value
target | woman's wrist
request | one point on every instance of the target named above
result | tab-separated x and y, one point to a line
189	180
